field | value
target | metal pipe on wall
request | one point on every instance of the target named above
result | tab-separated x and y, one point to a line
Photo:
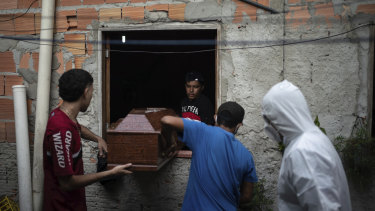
43	97
23	147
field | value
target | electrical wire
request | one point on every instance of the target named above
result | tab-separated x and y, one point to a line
21	14
283	43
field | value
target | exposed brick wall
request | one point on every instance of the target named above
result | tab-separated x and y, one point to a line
115	1
85	16
78	61
177	12
8	4
366	8
69	2
23	4
6	109
244	8
90	2
3	135
7	62
133	13
107	14
11	80
75	43
25	24
10	131
158	7
2	85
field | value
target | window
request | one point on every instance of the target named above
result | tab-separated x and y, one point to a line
139	73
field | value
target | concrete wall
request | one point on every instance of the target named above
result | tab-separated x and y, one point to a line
332	73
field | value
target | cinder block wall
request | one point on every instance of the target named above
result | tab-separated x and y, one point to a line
332	75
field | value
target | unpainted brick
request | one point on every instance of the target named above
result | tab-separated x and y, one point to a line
109	14
37	22
78	61
242	8
6	109
158	7
7	24
75	43
8	4
3	135
72	22
366	8
29	106
10	132
11	80
2	85
25	24
264	2
24	63
138	1
133	13
326	10
70	2
90	48
85	16
68	65
297	16
293	1
24	4
61	20
35	57
90	2
7	62
60	59
177	12
115	1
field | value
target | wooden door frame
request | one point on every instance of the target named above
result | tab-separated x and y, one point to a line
103	65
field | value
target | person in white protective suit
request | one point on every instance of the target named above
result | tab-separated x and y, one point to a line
311	175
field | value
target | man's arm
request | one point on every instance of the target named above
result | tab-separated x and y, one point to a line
172	121
87	134
246	192
72	182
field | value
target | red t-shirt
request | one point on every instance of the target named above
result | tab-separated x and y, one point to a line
62	156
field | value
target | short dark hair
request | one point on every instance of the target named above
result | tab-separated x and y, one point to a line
230	114
73	83
194	76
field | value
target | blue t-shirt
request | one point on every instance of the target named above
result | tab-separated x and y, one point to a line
219	165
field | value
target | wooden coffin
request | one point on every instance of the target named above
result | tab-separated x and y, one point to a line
138	139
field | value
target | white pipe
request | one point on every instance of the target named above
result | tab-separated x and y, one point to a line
43	96
23	149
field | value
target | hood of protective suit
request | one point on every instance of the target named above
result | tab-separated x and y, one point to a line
285	106
311	174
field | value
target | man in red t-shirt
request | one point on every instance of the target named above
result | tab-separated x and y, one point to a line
64	179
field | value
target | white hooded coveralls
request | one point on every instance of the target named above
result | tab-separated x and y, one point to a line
311	175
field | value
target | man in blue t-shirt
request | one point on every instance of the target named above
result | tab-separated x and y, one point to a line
222	171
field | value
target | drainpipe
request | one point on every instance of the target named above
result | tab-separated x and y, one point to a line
43	96
23	149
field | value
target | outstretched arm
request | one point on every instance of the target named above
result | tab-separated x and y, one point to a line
87	134
172	121
72	182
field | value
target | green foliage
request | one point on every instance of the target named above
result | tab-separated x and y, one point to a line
317	123
260	201
281	147
358	156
